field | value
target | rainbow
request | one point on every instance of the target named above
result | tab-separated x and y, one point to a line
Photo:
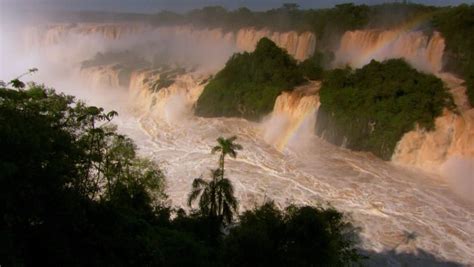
369	52
293	129
296	108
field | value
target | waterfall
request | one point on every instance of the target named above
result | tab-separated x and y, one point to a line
299	45
101	77
453	136
358	48
293	116
293	111
173	103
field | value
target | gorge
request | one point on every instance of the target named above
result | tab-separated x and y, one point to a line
156	86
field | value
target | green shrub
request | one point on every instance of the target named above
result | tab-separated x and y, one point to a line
249	83
297	236
313	67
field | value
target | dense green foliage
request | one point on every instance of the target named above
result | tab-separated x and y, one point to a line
250	83
313	67
74	193
457	26
370	109
68	182
305	236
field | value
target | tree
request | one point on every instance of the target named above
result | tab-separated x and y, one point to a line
371	108
66	178
226	147
296	236
290	6
216	197
73	192
313	67
456	26
249	84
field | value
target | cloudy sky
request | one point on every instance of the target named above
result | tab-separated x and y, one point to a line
185	5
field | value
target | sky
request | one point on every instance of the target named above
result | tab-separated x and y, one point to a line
151	6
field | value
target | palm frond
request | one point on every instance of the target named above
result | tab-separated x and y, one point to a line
221	140
227	213
216	149
232	153
197	187
205	201
194	195
199	182
228	192
238	147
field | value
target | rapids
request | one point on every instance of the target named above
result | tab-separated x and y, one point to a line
282	159
385	200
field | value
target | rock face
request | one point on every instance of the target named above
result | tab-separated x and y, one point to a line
358	48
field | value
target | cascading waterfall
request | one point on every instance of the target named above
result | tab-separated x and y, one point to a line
452	138
101	77
293	165
47	35
428	150
173	103
453	135
420	148
358	48
300	45
293	116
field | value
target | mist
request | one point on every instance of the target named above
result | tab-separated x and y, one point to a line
59	53
460	174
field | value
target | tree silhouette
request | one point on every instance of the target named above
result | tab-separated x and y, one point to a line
226	147
216	197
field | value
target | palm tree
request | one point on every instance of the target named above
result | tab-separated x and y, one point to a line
226	147
216	197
